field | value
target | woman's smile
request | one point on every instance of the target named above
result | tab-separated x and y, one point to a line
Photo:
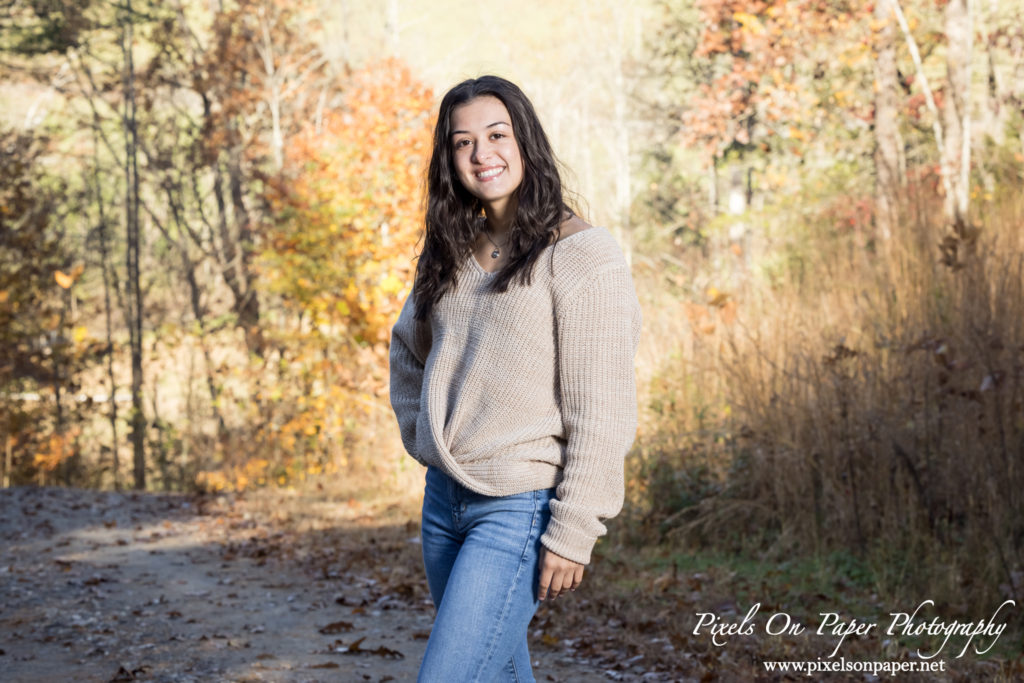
489	173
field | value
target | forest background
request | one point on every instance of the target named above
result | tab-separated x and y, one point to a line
209	213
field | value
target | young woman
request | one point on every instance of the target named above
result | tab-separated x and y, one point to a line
512	380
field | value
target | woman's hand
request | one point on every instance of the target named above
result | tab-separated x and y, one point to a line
557	574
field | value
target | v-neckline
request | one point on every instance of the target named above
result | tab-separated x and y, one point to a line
483	271
479	268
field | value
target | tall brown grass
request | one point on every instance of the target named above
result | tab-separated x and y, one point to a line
871	401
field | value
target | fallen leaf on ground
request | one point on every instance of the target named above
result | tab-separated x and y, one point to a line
355	648
336	627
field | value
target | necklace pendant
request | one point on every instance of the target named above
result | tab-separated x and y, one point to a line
494	254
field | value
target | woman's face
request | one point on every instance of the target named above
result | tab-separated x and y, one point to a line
485	152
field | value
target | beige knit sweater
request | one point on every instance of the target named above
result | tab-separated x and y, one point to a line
530	388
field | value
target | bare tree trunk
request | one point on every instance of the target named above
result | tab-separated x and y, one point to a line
248	306
133	251
245	306
713	202
995	114
175	201
392	27
160	456
888	143
60	378
1014	98
956	111
623	189
8	454
955	146
109	282
274	98
235	249
929	99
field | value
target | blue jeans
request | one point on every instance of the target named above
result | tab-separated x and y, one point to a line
480	555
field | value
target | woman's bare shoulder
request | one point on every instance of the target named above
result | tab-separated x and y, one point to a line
571	226
585	249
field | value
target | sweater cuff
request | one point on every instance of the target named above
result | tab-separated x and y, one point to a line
568	542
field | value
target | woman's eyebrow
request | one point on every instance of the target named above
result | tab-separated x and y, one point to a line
496	123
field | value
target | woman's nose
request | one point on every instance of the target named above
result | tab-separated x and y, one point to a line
481	152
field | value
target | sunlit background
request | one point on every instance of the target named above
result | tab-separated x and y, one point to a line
210	210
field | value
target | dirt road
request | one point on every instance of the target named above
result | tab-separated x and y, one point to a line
105	586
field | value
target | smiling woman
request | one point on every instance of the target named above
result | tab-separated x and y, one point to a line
512	381
487	160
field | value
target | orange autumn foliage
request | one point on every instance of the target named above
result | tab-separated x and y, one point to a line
335	261
350	203
774	69
56	449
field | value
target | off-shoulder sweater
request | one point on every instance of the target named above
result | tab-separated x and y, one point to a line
531	388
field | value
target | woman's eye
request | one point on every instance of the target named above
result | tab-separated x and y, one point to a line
495	136
461	143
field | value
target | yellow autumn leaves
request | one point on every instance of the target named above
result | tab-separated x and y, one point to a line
65	280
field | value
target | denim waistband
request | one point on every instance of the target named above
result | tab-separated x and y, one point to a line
457	492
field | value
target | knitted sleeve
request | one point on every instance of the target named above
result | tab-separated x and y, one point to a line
598	333
406	375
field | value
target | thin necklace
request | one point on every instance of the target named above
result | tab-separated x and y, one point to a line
497	249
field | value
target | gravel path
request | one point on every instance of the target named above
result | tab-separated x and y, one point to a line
106	586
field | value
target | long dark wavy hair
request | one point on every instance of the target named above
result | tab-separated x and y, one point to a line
453	214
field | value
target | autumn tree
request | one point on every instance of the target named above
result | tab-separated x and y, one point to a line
947	127
260	79
956	114
30	29
42	348
805	79
133	237
889	156
762	84
337	256
217	93
772	68
221	175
